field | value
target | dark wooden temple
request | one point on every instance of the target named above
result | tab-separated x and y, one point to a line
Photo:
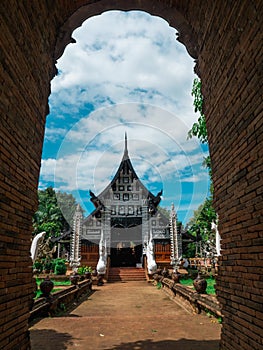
126	215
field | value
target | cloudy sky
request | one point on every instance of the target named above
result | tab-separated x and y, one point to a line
125	73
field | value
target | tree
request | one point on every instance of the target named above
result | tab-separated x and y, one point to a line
200	224
199	128
55	212
203	217
164	211
67	204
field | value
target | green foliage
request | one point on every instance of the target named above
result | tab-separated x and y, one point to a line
204	219
220	320
62	307
55	212
186	282
198	129
200	226
189	251
67	204
48	217
65	282
207	164
83	269
60	267
164	211
159	285
38	265
47	265
210	284
57	265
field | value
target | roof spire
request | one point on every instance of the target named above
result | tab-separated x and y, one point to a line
125	147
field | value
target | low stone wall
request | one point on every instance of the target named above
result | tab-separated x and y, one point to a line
190	299
60	301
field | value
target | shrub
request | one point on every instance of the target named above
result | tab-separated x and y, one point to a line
47	265
60	267
83	269
38	266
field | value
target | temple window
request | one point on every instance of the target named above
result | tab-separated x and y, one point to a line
130	210
125	196
116	196
121	210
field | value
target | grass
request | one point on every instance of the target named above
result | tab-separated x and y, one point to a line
210	284
56	283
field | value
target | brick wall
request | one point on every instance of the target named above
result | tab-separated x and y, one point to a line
230	67
225	39
26	68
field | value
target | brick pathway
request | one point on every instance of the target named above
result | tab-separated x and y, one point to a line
125	316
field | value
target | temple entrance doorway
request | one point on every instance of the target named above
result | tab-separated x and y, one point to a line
126	257
126	243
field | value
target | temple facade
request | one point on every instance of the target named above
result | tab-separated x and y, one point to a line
126	225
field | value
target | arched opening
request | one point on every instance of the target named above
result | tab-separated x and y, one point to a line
133	77
134	80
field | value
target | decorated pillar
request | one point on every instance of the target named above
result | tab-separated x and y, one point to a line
75	239
176	240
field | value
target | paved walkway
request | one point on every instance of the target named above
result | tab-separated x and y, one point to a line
125	316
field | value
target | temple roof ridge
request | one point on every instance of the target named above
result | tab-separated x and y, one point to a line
125	155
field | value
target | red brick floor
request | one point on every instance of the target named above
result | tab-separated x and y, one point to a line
126	316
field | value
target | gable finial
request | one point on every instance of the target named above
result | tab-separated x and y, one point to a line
126	147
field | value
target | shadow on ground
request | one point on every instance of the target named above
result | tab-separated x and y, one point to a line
70	308
56	340
181	344
64	341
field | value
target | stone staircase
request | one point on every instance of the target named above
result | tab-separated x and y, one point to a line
124	274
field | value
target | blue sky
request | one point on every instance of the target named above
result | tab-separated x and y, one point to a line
125	73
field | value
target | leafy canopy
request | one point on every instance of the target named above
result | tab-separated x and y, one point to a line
55	212
199	128
200	224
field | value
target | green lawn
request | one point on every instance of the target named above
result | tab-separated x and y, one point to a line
210	284
56	283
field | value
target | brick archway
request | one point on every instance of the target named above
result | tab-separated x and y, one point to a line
226	41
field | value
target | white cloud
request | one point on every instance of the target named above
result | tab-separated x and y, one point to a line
121	58
97	158
54	134
143	122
